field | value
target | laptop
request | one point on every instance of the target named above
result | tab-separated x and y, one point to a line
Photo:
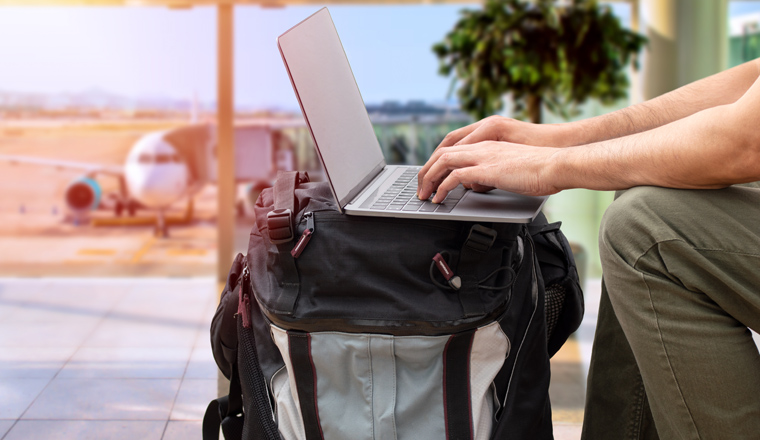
360	180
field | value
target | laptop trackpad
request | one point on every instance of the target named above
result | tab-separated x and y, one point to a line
498	201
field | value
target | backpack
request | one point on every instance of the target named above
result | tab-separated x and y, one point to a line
345	327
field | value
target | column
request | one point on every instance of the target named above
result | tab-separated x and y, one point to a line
688	40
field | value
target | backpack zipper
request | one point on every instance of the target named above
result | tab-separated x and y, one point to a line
305	237
244	305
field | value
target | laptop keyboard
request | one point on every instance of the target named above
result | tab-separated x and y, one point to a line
402	196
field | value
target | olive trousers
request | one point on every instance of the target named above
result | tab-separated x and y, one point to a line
673	357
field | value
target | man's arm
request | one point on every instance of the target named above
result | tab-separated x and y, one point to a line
719	89
711	148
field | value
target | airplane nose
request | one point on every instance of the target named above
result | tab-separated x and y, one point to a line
158	186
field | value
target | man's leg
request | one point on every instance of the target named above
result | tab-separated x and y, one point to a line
616	403
682	269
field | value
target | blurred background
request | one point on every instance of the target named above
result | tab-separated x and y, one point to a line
136	135
87	91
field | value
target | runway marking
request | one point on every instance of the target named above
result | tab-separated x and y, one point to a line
143	250
185	252
97	252
83	262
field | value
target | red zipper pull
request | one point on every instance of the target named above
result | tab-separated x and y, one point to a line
305	237
244	308
454	281
301	245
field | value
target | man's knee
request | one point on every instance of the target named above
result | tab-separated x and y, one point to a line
638	219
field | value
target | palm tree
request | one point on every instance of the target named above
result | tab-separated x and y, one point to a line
541	53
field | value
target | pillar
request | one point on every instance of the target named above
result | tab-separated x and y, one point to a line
687	42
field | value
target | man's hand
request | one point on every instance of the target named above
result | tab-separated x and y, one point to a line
512	167
702	135
499	128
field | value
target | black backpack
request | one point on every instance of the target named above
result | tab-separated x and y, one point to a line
336	326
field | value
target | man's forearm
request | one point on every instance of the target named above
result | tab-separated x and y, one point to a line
713	148
723	88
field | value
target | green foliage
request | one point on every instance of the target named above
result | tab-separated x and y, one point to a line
539	52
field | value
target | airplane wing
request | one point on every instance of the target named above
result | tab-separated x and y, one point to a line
64	164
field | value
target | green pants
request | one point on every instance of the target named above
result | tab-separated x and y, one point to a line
673	357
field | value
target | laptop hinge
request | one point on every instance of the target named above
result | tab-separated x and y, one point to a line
369	185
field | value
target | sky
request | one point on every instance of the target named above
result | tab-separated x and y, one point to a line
158	52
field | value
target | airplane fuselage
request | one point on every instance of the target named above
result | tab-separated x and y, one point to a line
154	173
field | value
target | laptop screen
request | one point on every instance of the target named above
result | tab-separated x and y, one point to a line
332	105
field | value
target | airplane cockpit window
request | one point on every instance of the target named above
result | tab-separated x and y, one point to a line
159	158
167	158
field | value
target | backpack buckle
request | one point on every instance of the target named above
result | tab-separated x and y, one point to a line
481	238
280	225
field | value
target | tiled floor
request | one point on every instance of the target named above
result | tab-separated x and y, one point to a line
105	358
130	359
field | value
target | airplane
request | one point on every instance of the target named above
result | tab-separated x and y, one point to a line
164	167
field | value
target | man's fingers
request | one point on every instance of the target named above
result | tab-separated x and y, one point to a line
434	159
484	132
451	159
425	169
457	135
438	170
479	131
468	175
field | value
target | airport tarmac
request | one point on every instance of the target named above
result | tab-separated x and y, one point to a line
189	251
52	247
37	238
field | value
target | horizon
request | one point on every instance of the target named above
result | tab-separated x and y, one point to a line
61	101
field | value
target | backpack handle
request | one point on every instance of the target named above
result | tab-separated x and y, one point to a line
281	227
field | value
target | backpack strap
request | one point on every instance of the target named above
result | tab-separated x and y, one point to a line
478	242
564	295
457	401
541	227
281	226
280	221
227	412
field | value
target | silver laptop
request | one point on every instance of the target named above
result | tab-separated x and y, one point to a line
360	180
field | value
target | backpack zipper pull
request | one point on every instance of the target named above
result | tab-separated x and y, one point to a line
244	304
305	237
454	281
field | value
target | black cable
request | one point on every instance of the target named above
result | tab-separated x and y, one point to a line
445	254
